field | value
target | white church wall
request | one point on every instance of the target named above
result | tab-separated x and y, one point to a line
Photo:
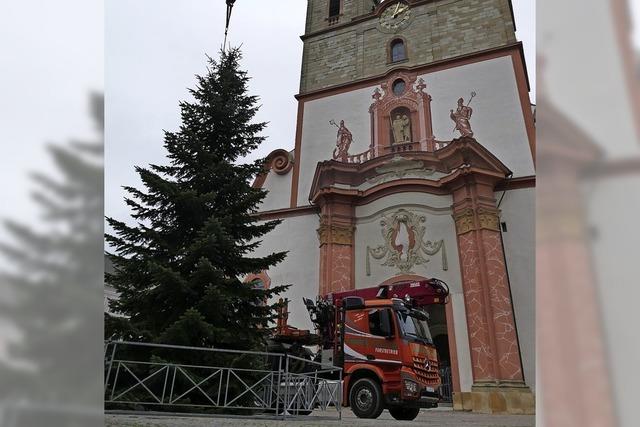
439	226
301	266
319	136
497	120
279	187
518	210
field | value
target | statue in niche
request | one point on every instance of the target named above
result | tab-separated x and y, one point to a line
462	116
401	128
343	142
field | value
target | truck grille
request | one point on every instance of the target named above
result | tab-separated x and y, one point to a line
429	376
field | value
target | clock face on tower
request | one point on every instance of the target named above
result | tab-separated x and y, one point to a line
395	16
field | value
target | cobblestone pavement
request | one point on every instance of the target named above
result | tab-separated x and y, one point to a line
438	417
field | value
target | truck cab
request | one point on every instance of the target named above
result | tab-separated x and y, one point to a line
388	357
380	338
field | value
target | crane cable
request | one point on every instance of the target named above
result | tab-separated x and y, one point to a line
226	27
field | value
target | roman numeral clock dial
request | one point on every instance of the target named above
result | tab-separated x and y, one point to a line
395	16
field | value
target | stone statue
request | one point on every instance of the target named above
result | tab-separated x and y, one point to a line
461	118
401	127
343	142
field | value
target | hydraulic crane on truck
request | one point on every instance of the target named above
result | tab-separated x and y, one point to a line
380	337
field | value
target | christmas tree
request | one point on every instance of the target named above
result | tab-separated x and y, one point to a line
52	286
179	265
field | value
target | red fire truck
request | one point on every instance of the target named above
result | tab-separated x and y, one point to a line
380	337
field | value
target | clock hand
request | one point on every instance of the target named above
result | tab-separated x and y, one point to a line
395	12
399	11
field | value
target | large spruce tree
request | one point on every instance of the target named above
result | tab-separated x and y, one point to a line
179	265
51	285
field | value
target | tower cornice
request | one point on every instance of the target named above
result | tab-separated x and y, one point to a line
419	69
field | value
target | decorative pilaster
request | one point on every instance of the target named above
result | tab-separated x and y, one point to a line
495	353
336	256
336	237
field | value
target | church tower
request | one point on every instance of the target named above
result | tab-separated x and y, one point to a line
414	158
350	40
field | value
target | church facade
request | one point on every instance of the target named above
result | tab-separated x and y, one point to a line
415	158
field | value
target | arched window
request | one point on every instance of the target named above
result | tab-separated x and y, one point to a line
258	281
398	50
257	284
398	87
334	8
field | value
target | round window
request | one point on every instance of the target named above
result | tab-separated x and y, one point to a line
398	87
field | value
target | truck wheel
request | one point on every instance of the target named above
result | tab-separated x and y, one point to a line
404	414
365	398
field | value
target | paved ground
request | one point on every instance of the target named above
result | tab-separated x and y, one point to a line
434	417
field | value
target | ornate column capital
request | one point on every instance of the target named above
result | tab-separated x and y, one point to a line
336	233
469	219
464	221
489	219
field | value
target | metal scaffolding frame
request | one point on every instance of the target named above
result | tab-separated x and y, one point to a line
271	388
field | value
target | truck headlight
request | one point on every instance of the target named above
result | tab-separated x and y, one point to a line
411	386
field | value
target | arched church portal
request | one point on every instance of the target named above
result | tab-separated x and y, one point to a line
443	334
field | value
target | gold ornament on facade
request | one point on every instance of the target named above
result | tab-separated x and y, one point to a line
487	219
464	221
404	245
338	234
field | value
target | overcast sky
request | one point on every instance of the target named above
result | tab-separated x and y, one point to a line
154	47
51	58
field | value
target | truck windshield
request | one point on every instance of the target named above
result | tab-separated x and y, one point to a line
414	326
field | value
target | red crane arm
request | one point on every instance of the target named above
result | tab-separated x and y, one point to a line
422	292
